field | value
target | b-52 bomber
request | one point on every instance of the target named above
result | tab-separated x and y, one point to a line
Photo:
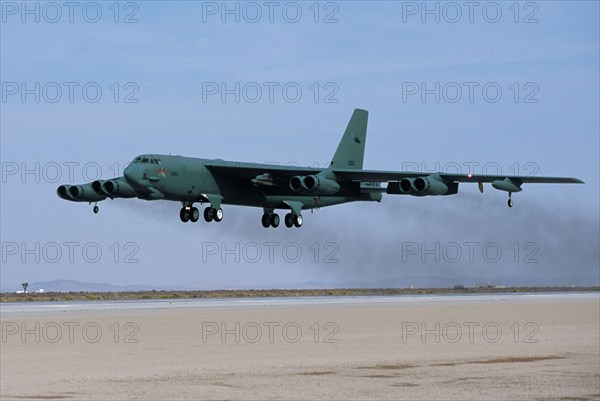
217	182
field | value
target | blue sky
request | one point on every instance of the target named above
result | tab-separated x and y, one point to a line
546	121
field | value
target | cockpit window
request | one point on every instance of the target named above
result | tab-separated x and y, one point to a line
152	161
145	160
137	160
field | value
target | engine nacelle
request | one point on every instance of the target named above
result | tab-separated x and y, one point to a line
296	183
79	193
97	186
422	186
314	185
406	185
429	186
63	192
116	188
320	185
506	185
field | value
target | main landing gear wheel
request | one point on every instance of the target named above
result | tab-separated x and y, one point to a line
274	220
266	220
96	209
188	213
184	215
210	214
298	221
270	220
293	220
194	214
289	220
510	203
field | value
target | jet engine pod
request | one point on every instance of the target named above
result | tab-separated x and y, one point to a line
431	185
314	185
406	185
118	188
319	185
79	193
97	187
63	192
296	183
507	185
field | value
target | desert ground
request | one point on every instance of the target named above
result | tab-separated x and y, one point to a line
480	347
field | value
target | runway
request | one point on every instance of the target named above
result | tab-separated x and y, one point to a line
499	346
46	308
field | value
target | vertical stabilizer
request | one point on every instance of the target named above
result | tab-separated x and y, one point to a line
351	150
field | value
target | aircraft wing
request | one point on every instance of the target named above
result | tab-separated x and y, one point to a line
523	179
252	170
384	176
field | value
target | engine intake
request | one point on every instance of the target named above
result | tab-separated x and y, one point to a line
406	185
431	185
296	183
79	193
118	188
115	188
97	186
314	185
63	192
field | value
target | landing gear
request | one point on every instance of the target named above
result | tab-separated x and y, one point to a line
266	220
96	209
210	214
270	219
218	214
289	220
298	221
274	220
510	202
190	213
184	214
194	214
292	219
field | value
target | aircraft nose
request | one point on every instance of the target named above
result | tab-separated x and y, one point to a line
129	173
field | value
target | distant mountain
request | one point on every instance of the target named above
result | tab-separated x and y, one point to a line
404	282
